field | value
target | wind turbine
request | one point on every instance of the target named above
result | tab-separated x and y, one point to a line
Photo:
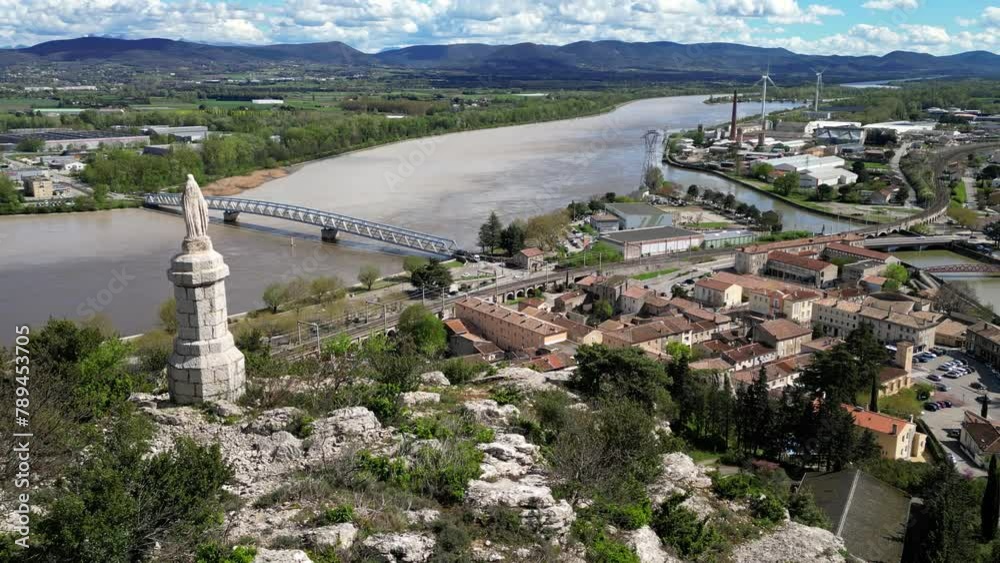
764	79
819	86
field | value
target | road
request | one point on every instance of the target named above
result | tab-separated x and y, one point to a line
970	191
911	197
962	396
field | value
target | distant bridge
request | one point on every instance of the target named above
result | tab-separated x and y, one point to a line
964	269
331	223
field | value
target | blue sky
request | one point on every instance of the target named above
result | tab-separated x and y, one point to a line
848	27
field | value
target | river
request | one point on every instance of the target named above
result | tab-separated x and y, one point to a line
987	288
66	265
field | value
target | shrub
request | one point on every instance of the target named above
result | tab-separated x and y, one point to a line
337	515
679	527
301	426
607	550
802	508
736	487
460	371
384	469
629	516
453	540
217	553
383	401
767	509
507	395
444	473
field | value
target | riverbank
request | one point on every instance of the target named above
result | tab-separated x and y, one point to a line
234	185
794	203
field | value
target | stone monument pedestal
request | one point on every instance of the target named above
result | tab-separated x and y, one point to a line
205	364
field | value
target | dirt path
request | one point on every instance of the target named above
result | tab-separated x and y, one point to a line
237	184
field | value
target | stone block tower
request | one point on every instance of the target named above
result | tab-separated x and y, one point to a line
205	364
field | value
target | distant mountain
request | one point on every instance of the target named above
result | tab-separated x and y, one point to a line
591	59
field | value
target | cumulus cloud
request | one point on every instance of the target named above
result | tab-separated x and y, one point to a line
373	25
906	5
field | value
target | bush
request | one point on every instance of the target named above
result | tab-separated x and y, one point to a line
445	473
301	426
802	508
383	401
737	487
606	550
460	371
767	509
629	516
679	527
337	515
217	553
507	395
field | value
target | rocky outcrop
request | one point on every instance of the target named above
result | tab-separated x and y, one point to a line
795	543
281	556
337	535
352	425
539	510
274	420
528	379
509	455
488	412
434	379
414	398
400	548
681	475
423	517
648	547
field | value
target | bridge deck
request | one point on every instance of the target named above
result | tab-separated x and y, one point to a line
325	219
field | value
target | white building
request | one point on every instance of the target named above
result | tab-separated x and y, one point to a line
801	163
814	177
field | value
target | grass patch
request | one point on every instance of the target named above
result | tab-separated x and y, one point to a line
902	404
876	166
600	252
711	225
654	274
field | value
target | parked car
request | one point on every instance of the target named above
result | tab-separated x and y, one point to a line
982	399
947	404
934	377
930	407
942	387
977	385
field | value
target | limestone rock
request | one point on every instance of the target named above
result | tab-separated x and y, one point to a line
341	427
274	420
226	409
539	510
401	548
143	400
509	455
648	547
422	517
434	379
680	475
282	446
488	412
794	543
338	535
281	556
414	398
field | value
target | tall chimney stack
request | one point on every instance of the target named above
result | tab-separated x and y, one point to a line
732	126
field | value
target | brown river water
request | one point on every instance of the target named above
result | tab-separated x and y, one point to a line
114	262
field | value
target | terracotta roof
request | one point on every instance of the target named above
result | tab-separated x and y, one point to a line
569	296
888	373
748	352
531	252
657	301
589	281
535	302
784	329
456	326
714	284
822	344
610	325
859	251
511	316
786	244
951	328
799	261
635	292
714	364
683	304
986	330
983	432
874	421
875	280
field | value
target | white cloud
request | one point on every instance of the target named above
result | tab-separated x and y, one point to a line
906	5
991	15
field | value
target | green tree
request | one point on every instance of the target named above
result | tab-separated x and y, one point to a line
753	414
787	183
11	200
761	170
274	296
413	263
990	509
771	220
104	382
512	238
30	144
897	272
167	313
433	277
992	231
625	372
368	275
692	191
824	192
423	329
951	531
490	233
325	288
653	179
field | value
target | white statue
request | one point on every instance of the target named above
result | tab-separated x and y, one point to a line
195	217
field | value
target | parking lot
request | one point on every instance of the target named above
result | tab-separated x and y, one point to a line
946	423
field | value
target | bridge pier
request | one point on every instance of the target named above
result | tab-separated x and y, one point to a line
230	216
329	234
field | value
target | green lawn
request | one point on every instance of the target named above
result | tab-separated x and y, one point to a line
876	166
654	274
902	404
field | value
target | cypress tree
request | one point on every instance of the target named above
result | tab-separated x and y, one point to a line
984	411
990	510
873	398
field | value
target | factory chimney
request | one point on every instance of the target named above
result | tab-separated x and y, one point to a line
732	126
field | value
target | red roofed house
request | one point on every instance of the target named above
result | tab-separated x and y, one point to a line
800	269
856	253
784	336
980	438
716	293
631	300
531	259
898	438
